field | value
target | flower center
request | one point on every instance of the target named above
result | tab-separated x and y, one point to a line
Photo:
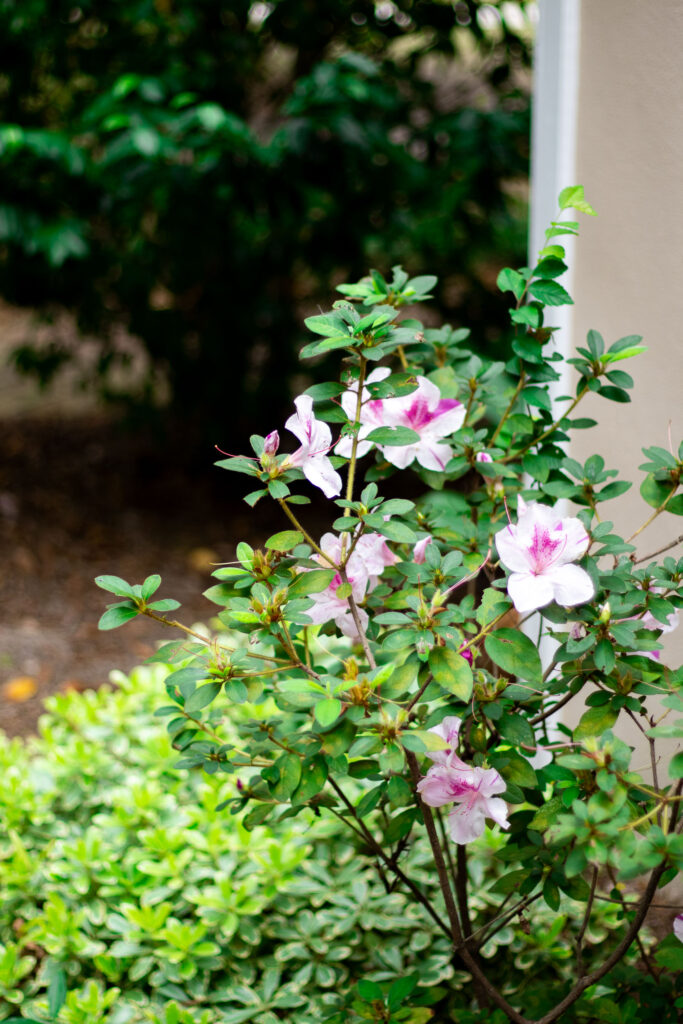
545	548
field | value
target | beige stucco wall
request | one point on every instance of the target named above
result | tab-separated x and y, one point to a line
628	264
629	259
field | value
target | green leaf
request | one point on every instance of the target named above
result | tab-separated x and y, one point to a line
115	585
511	881
328	711
420	286
202	696
313	778
655	492
150	586
393	530
369	991
368	802
529	315
398	436
514	768
284	541
546	815
516	729
603	656
538	397
550	267
117	616
514	653
551	293
572	198
510	280
312	582
289	767
56	990
676	766
452	671
595	721
330	325
245	555
400	990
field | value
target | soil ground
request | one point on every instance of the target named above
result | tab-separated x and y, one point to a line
80	497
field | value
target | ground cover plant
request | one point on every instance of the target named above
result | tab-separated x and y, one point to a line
397	657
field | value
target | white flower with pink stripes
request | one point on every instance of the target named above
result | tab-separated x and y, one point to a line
423	411
540	551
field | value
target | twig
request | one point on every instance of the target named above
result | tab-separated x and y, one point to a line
487	991
584	923
379	852
659	551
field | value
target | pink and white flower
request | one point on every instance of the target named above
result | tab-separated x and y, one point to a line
424	411
540	551
678	926
483	457
368	561
471	789
316	440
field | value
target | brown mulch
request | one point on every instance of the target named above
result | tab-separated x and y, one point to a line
81	498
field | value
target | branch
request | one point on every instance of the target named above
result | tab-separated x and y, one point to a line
659	551
487	990
390	863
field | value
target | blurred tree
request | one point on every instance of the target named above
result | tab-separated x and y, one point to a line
199	172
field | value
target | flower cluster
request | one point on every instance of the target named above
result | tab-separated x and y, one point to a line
472	790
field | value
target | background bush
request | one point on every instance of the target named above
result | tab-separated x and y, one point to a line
131	896
199	172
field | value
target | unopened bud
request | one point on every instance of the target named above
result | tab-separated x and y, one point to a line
466	653
577	631
483	457
605	613
272	443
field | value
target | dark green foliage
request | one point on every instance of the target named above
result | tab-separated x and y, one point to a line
198	172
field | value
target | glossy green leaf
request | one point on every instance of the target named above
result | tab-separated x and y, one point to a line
514	653
452	671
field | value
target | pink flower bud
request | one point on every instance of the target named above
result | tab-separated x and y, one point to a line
420	550
272	443
577	631
466	653
483	457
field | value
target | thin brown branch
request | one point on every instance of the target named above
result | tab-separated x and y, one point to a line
485	990
363	830
584	923
660	551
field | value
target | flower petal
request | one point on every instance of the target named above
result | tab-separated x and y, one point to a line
577	540
320	472
510	551
529	592
466	823
571	585
497	809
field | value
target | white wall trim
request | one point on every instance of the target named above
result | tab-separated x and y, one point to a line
553	167
553	141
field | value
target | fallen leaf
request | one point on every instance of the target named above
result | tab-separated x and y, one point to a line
20	689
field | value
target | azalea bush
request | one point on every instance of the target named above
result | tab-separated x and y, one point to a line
395	660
